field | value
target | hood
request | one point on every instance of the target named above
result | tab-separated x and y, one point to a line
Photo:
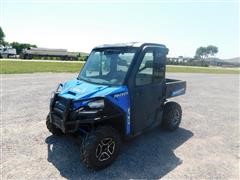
77	89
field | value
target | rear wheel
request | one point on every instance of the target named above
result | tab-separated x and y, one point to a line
100	147
172	115
52	128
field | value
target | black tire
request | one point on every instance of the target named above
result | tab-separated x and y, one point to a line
100	147
52	128
172	115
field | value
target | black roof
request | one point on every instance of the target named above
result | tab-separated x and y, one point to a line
130	44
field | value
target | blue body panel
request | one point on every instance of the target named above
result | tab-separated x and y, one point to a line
78	90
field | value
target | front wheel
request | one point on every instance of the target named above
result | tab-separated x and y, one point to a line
100	147
172	115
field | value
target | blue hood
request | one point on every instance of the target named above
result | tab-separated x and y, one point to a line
77	89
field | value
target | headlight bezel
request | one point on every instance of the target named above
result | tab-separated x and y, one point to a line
96	104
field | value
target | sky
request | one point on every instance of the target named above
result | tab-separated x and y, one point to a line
182	25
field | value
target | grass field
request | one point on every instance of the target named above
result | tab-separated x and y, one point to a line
14	67
210	70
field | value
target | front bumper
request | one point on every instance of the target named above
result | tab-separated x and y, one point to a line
68	120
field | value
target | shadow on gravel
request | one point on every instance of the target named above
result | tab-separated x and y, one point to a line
150	155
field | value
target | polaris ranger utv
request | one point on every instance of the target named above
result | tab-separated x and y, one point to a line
120	92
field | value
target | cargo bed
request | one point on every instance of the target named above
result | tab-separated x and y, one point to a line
174	88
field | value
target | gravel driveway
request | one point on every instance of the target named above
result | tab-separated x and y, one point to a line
205	147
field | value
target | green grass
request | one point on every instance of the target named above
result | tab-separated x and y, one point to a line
210	70
15	67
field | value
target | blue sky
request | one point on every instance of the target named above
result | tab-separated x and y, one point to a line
80	25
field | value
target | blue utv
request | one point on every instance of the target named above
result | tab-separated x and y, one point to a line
120	93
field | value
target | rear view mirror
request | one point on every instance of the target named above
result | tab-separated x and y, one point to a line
111	52
122	62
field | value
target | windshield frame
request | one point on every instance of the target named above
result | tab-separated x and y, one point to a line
110	48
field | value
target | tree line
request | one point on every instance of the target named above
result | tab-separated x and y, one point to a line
201	54
16	45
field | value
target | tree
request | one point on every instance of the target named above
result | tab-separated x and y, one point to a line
20	46
212	50
203	53
2	36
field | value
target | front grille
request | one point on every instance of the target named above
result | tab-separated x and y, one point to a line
57	121
59	106
59	109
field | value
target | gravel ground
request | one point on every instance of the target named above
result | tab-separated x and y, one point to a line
205	147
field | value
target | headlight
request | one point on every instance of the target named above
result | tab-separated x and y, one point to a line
96	104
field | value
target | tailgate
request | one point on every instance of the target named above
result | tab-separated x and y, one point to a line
175	87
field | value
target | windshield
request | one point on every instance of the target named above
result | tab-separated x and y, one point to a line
108	66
